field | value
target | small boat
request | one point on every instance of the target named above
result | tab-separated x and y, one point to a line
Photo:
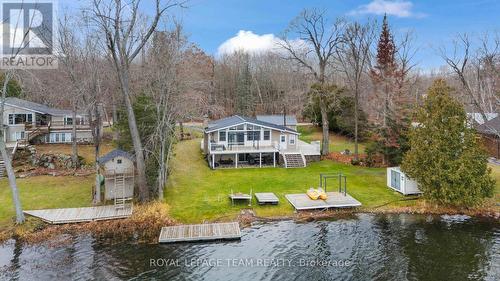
322	194
313	194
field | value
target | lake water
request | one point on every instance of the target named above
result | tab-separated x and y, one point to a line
361	247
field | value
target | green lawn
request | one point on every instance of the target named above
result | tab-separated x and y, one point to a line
45	192
196	193
337	143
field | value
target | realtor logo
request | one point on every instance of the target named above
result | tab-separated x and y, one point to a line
28	34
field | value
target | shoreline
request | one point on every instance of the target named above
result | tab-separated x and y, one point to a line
145	225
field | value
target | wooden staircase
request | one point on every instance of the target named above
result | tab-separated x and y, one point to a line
294	160
120	198
2	167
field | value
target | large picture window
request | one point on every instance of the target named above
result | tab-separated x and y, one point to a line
253	135
20	118
59	137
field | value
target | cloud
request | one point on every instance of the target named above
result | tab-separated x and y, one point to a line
249	42
252	43
398	8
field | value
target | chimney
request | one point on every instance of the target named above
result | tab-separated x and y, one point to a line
284	116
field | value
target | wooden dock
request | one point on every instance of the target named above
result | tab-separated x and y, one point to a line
335	200
200	232
267	198
75	215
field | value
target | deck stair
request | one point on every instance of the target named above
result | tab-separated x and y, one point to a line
294	160
119	192
2	167
37	132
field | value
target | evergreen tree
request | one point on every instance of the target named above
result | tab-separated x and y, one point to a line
389	139
445	156
384	72
244	98
13	87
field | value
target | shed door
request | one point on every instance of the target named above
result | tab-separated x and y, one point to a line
396	179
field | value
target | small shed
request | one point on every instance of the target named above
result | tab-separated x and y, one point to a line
398	181
118	169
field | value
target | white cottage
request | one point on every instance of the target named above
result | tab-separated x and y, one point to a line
118	169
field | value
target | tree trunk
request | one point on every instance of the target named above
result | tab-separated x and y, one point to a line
181	127
74	146
325	149
97	146
6	158
12	180
136	139
356	123
115	119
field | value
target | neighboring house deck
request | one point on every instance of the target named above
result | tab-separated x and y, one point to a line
237	141
32	122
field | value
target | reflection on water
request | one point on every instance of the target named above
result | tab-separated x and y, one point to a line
365	247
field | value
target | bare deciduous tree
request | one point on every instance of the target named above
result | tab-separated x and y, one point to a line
127	32
317	44
353	56
476	67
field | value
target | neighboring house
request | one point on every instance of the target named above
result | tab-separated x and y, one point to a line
239	141
477	119
289	121
37	123
490	132
118	169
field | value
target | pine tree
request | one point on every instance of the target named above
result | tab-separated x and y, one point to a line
244	98
445	156
390	136
385	71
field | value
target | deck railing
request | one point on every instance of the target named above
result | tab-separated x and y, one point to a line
238	147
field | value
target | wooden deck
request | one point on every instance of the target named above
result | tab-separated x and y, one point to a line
335	200
75	215
266	198
200	232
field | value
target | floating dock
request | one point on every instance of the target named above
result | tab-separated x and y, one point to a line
335	200
267	198
200	232
75	215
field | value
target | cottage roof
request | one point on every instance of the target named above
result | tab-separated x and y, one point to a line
115	153
237	120
291	120
37	107
491	127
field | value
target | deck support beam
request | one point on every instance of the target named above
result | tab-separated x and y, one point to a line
260	160
274	159
213	161
236	160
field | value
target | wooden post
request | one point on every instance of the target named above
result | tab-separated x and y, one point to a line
260	160
274	159
236	160
213	161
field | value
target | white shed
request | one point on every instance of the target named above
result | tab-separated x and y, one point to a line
398	181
